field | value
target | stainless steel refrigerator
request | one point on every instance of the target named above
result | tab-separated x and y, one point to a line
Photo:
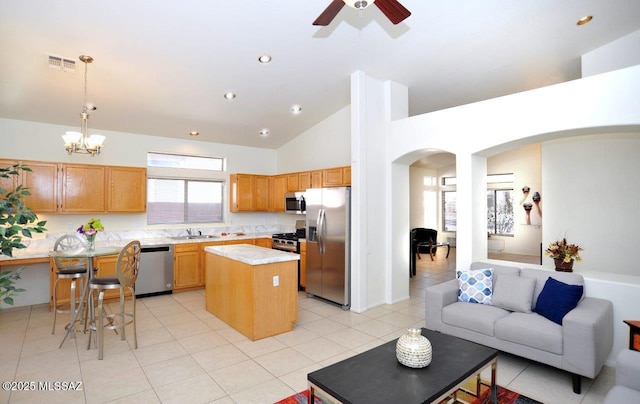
328	244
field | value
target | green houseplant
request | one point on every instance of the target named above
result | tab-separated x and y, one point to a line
16	221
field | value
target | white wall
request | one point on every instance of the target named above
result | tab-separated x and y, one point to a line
524	163
424	210
327	144
618	54
591	197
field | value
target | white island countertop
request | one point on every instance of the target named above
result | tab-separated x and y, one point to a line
252	254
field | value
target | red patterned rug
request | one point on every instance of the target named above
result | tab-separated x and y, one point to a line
505	396
299	398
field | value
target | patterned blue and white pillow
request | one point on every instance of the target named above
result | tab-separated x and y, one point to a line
475	286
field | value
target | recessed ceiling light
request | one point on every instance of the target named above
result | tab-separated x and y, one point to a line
296	109
264	59
194	133
230	95
584	20
264	132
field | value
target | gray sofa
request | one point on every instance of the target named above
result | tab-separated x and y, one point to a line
627	387
580	345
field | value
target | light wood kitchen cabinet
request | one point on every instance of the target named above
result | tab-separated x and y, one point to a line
316	179
63	290
249	193
103	266
8	184
293	181
187	271
303	264
106	266
82	188
126	189
277	190
253	306
336	177
251	241
261	193
346	175
263	242
42	182
304	181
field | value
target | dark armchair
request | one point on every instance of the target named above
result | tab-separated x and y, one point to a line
421	240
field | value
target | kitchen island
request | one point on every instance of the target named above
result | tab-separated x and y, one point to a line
253	289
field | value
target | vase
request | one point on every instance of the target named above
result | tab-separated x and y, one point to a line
562	266
91	241
413	349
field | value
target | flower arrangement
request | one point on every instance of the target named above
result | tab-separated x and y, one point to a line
562	250
90	229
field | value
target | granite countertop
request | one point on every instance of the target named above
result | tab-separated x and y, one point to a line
251	254
41	249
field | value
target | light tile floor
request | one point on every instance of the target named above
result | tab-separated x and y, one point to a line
186	355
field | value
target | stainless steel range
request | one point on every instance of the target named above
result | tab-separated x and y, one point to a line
290	242
285	242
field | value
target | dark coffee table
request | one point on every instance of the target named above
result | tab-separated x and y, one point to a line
376	376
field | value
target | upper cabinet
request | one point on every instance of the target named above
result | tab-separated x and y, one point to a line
316	179
248	193
8	184
277	191
42	182
82	188
126	189
293	182
260	193
336	177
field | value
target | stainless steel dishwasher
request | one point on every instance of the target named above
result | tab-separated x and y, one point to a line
156	271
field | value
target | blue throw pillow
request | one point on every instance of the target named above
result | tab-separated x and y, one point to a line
475	285
557	299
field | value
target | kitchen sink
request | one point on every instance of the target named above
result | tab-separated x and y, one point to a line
194	237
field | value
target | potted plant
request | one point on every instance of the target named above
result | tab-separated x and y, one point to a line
564	254
16	221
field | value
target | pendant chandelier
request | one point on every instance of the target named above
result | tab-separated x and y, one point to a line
81	142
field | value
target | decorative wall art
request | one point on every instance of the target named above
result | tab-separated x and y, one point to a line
527	210
529	206
536	200
525	194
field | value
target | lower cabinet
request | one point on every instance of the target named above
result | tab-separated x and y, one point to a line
303	264
106	266
187	271
263	242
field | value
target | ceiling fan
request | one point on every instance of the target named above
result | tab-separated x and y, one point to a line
394	11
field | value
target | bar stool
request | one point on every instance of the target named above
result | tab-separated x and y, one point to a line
68	268
127	267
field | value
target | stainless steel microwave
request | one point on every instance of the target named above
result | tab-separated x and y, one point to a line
294	203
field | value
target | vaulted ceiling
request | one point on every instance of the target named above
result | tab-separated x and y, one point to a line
161	68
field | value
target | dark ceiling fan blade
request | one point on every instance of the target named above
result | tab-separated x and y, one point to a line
329	13
393	10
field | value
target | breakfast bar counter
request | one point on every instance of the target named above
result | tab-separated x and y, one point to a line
253	289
